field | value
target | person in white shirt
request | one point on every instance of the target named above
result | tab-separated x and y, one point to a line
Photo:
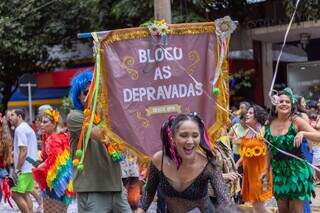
25	145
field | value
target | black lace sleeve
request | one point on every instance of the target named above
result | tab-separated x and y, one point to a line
219	186
151	188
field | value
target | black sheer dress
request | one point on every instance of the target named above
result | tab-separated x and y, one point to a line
194	195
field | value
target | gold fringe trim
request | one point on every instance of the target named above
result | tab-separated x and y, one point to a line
174	29
103	111
222	117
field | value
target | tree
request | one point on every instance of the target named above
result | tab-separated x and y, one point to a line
136	12
307	10
28	28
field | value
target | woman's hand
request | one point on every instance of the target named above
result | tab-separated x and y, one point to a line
237	141
232	176
264	177
41	165
298	139
265	181
139	211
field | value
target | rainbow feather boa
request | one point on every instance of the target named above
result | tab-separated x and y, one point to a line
54	176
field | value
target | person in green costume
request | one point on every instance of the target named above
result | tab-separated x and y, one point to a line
292	178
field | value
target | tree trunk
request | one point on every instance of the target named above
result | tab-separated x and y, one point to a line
162	10
7	93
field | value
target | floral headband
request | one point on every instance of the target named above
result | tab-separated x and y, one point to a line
287	91
53	114
293	98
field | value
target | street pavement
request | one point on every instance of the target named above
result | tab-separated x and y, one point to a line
316	201
5	208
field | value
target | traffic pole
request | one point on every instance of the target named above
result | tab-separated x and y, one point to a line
29	86
30	102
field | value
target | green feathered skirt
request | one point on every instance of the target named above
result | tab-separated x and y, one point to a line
292	179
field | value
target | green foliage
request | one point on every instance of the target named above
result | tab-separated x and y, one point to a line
307	10
243	79
132	13
66	106
28	28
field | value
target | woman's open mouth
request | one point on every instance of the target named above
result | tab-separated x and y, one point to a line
188	151
284	108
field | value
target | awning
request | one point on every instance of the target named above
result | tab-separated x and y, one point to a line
57	79
41	96
14	104
276	33
51	88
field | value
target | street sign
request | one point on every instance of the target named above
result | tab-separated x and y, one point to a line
23	84
27	86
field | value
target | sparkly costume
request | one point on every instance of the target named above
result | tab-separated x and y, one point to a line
193	195
292	178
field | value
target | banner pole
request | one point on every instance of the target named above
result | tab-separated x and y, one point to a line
88	35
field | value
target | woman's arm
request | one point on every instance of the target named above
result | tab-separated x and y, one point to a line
239	163
305	117
265	174
151	186
219	186
268	161
233	136
318	123
305	130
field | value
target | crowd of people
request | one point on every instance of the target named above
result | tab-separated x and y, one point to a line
260	155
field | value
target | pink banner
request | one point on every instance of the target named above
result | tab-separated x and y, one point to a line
147	82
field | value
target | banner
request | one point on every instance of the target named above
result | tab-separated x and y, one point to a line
146	78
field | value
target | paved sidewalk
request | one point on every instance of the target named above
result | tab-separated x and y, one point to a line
5	208
316	202
272	204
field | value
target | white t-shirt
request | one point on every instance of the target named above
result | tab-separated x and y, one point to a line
316	155
25	136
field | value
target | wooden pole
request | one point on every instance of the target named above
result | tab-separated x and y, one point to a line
162	10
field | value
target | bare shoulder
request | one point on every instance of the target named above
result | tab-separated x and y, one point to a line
157	159
298	121
272	123
303	125
305	117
